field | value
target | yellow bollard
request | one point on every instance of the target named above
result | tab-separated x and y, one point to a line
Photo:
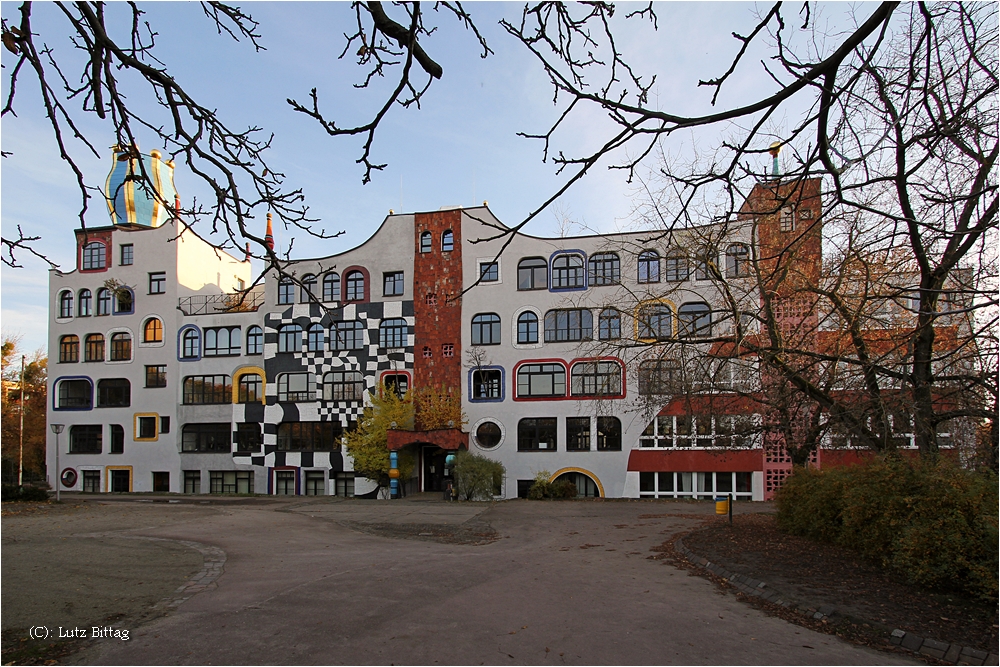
721	505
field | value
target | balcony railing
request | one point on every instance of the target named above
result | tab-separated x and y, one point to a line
210	304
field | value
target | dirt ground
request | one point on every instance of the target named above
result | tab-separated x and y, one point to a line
826	574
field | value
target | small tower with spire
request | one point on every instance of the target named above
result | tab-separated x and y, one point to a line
269	234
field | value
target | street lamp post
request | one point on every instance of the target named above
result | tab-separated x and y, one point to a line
57	429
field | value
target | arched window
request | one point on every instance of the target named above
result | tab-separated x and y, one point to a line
343	386
447	241
331	287
567	271
114	393
355	286
392	332
532	273
93	348
152	331
94	256
65	304
123	301
69	349
675	267
308	291
605	269
596	378
649	266
103	301
425	242
85	303
76	394
250	388
694	320
486	329
655	321
737	261
190	344
315	337
527	328
609	324
290	338
121	346
255	340
609	434
286	291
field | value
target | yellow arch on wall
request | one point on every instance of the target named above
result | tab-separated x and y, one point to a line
636	316
244	371
561	471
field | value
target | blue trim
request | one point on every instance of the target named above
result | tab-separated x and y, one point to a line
55	393
503	385
586	276
114	303
180	343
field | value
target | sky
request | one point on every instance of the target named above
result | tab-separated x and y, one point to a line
460	148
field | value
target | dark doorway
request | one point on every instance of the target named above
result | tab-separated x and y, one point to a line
119	481
161	482
434	479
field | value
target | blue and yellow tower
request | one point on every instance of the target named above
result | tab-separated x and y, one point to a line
130	200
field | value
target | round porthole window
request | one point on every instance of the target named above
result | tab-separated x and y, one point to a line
488	433
68	477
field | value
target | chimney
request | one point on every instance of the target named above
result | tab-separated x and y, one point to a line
246	257
269	235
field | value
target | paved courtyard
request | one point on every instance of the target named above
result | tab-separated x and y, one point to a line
418	581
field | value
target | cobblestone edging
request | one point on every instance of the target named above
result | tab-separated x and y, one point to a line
952	653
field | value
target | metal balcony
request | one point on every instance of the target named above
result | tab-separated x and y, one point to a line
211	304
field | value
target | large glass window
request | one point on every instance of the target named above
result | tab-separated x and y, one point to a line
392	332
85	303
207	438
255	340
69	349
572	324
331	287
577	434
249	438
94	351
649	266
121	346
392	283
315	338
290	338
65	304
537	434
85	438
659	376
343	386
152	331
397	383
308	291
532	273
541	380
605	269
486	384
609	324
156	376
486	329
355	286
567	271
737	261
596	378
250	388
230	481
694	320
348	335
527	328
190	344
609	434
207	389
286	291
103	301
309	436
114	393
296	387
675	267
94	256
655	321
75	394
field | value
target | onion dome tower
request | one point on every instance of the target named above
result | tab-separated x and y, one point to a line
132	202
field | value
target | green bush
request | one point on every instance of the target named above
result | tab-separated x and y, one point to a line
542	488
934	523
24	494
477	477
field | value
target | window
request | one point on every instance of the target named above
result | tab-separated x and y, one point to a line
192	481
398	383
123	301
694	320
164	424
787	220
393	283
211	438
431	299
695	484
331	287
158	283
649	266
91	481
190	344
296	387
537	380
568	325
659	376
161	482
448	350
427	352
355	286
121	346
675	267
85	438
156	376
527	328
489	272
286	291
487	384
290	338
425	242
343	386
532	273
737	261
315	338
348	335
207	389
65	304
392	332
308	290
655	322
605	269
248	438
250	388
69	349
577	434
703	266
85	303
94	344
315	483
309	436
103	302
486	329
145	427
255	340
536	434
126	254
567	272
609	434
596	378
488	435
231	481
609	324
75	394
447	241
117	439
94	256
115	393
152	331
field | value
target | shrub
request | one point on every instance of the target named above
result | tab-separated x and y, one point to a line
542	488
477	477
24	494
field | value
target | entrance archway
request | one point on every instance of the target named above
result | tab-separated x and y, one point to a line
587	483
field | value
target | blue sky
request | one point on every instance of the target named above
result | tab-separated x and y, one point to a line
459	148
